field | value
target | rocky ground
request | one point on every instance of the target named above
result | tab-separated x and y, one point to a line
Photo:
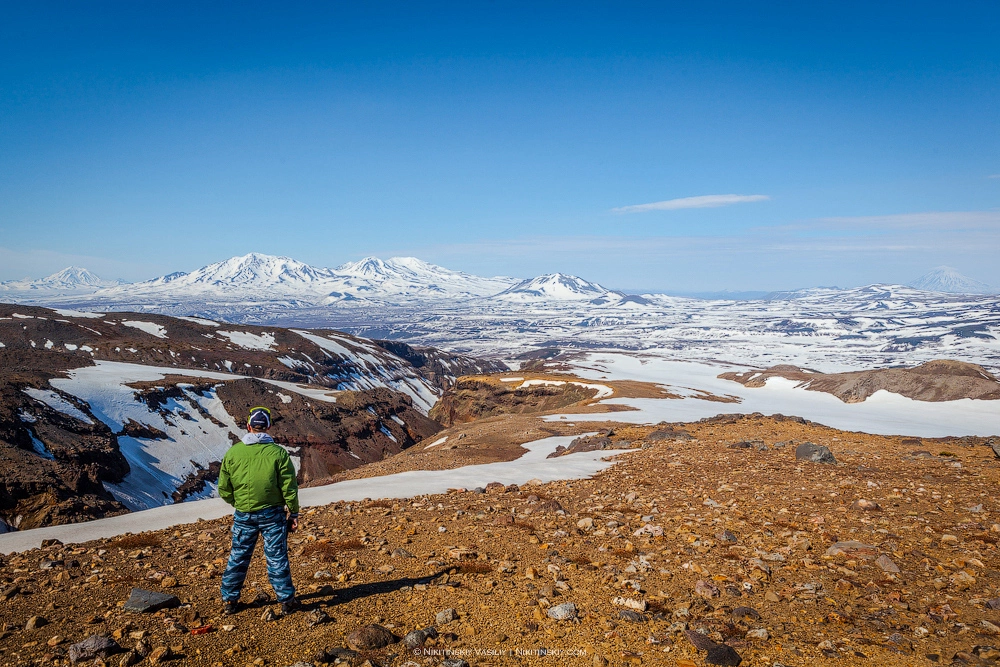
711	543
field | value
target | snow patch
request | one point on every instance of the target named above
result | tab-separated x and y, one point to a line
200	320
439	441
250	341
149	327
65	312
58	403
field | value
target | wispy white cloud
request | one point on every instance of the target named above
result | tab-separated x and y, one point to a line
993	176
703	201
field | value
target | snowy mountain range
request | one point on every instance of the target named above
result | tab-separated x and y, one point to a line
406	299
259	278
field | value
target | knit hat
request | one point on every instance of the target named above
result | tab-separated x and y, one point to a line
260	418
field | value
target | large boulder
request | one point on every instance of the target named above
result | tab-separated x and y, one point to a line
809	451
142	601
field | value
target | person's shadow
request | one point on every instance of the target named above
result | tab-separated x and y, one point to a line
342	595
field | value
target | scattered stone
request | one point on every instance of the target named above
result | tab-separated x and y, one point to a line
454	662
563	612
146	602
743	444
401	553
853	549
92	647
370	638
268	615
743	613
159	655
317	617
585	523
336	653
631	603
809	451
10	592
866	505
727	536
35	622
417	638
993	604
759	634
446	616
630	616
718	654
886	564
989	627
706	590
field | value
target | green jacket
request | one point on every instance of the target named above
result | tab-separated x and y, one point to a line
257	476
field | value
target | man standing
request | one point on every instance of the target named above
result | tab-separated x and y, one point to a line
258	479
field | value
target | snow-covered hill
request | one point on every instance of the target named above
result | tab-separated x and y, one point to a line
72	279
408	279
947	279
556	287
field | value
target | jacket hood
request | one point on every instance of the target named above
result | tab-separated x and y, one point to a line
256	438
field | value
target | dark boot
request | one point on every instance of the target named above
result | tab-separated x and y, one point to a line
290	606
230	607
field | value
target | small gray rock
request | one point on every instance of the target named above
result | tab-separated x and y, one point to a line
563	612
417	638
809	451
318	617
726	536
401	553
630	616
993	604
742	613
454	662
93	647
446	616
146	602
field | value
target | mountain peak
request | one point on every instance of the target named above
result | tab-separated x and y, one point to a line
558	286
947	279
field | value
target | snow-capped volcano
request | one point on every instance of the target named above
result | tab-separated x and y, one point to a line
254	271
947	279
557	287
70	279
409	277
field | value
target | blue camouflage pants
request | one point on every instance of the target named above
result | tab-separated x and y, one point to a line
270	523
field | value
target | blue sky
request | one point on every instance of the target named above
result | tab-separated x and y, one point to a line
863	142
